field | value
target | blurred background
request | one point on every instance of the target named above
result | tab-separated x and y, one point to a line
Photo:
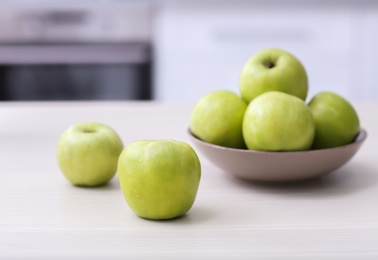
179	50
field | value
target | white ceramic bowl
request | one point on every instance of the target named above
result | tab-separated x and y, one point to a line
278	166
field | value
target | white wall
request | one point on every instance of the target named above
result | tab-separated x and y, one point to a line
203	48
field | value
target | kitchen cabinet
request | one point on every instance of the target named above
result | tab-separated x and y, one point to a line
203	48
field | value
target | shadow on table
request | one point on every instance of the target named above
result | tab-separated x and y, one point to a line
113	184
196	214
347	180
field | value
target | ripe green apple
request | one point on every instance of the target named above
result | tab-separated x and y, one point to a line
273	70
159	178
336	120
276	121
217	118
87	153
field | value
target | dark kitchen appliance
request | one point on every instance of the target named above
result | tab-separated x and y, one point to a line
95	51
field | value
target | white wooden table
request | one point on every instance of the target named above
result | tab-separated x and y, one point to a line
42	216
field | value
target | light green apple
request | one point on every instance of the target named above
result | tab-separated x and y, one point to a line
273	70
88	153
276	121
159	178
217	118
336	120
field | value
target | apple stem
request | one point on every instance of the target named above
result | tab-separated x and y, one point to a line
88	131
270	65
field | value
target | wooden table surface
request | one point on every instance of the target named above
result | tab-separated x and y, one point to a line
42	216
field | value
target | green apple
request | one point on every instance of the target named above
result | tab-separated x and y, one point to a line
88	153
217	118
276	121
159	178
273	70
336	120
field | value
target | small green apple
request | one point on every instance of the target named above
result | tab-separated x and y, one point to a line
273	70
87	153
217	118
336	120
276	121
159	178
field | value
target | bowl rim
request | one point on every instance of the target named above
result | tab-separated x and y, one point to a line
360	138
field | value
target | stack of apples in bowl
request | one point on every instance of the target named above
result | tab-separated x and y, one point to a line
269	132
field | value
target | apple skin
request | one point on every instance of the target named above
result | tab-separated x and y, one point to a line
276	121
87	153
159	178
273	70
217	118
336	120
